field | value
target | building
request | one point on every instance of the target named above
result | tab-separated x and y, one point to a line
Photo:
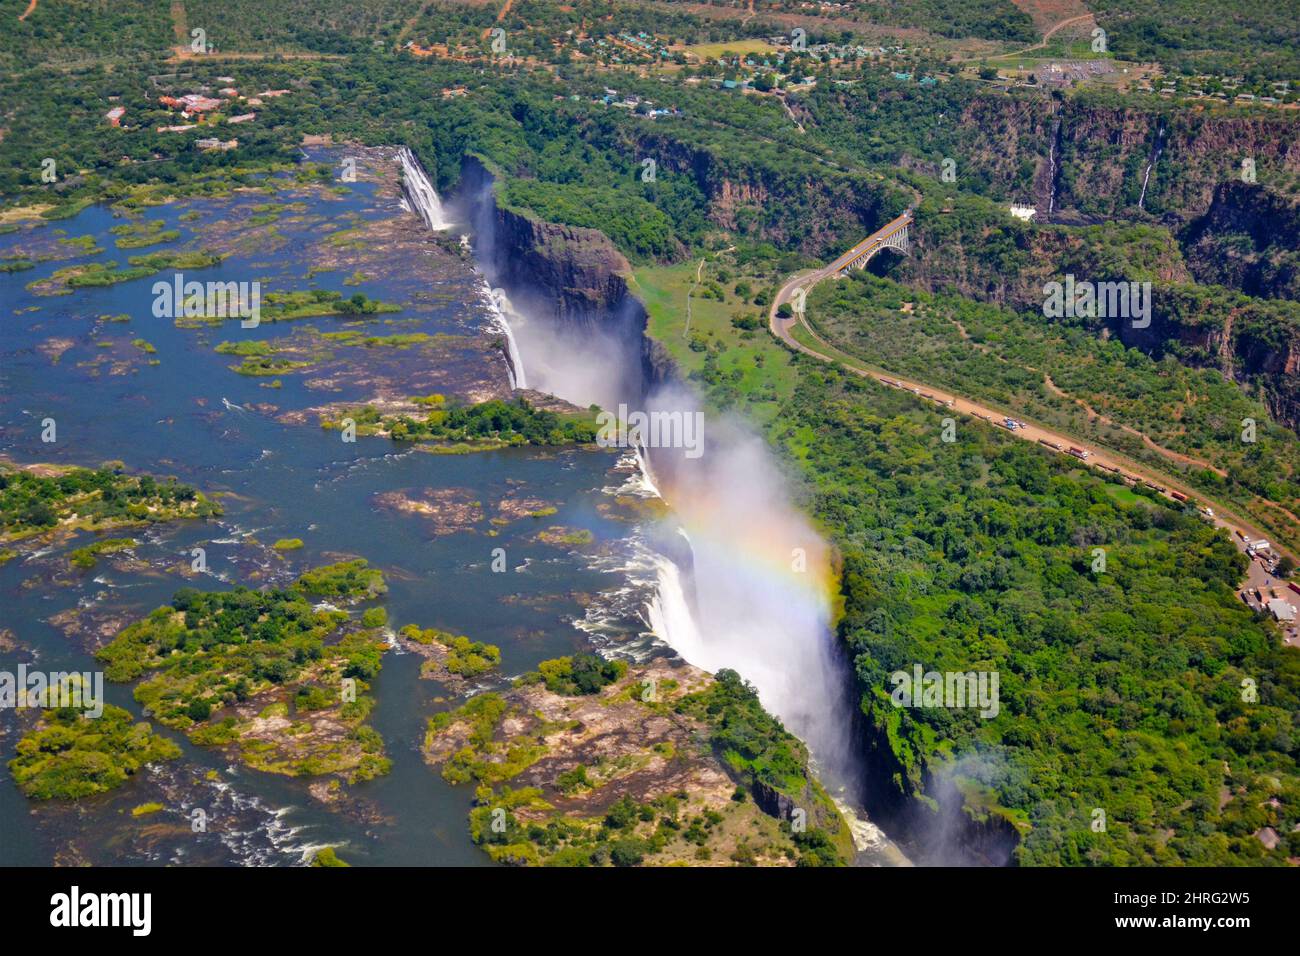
1282	611
190	103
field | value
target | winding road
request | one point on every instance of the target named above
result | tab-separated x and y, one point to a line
785	328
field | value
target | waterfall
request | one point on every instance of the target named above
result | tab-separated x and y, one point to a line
502	313
669	612
733	601
1051	168
420	196
738	577
1155	158
419	192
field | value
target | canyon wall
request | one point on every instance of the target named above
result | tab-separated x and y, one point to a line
1249	239
800	203
583	273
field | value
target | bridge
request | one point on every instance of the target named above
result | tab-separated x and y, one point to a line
894	236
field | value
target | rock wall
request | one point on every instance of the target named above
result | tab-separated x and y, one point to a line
922	811
1249	239
581	271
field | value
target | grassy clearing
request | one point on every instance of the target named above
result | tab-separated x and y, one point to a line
746	362
709	51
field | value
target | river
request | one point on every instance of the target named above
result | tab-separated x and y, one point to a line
692	583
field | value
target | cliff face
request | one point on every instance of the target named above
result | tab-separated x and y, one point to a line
980	252
1089	159
581	267
1253	341
924	811
572	275
1249	239
1106	152
817	213
582	273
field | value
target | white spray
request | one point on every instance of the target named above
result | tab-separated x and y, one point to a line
419	192
505	320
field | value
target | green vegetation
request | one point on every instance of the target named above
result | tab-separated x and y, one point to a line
1119	690
86	558
327	857
578	674
284	306
164	261
566	537
71	755
494	422
97	274
136	235
976	556
32	503
750	740
208	655
348	579
287	544
465	657
1053	371
84	245
1228	38
729	350
577	821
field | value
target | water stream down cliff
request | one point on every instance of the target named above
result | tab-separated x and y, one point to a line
419	192
741	579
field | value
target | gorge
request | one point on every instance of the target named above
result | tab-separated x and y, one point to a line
742	579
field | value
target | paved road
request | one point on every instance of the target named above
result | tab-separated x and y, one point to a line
783	328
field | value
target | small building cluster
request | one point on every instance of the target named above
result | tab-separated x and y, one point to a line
199	107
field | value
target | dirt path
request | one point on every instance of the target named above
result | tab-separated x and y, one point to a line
686	332
31	5
505	12
1040	44
1051	33
180	27
1096	457
1143	436
790	113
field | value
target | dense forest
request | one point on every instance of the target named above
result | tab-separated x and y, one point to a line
1233	37
1125	690
1061	373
